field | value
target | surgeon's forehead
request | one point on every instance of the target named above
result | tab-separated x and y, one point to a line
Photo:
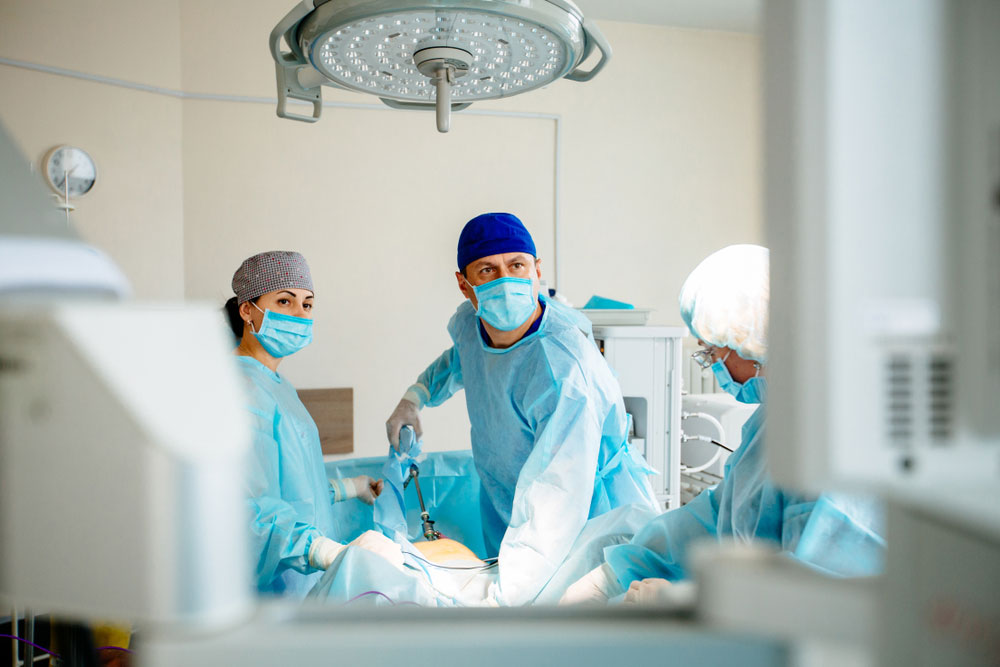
504	258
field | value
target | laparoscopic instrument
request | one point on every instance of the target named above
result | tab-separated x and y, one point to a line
406	439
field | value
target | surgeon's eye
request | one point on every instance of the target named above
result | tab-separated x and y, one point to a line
283	302
307	306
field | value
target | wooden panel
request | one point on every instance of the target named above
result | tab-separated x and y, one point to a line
333	412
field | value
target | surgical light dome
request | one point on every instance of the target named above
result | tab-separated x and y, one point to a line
430	54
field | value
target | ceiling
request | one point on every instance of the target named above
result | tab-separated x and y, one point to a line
730	15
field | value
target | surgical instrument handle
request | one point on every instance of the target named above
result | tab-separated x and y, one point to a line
428	525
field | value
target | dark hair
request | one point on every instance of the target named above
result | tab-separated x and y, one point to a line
235	321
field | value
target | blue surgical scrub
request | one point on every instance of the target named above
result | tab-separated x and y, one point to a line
549	439
838	535
290	496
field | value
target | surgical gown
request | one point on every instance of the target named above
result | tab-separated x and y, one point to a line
839	535
549	440
290	496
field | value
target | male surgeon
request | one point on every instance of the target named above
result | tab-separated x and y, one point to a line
549	429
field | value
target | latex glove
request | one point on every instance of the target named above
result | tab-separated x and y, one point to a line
648	592
380	544
367	489
405	413
595	587
324	551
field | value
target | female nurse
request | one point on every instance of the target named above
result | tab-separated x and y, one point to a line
294	535
724	303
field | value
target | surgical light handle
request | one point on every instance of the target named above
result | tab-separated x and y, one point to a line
292	75
594	38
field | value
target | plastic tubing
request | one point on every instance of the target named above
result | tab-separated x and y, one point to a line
722	437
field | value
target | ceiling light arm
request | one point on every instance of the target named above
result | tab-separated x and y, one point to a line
594	38
289	66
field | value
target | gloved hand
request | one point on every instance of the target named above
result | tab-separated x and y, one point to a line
405	413
595	587
366	488
324	551
380	544
648	592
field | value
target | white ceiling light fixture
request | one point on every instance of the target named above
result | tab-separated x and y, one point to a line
430	54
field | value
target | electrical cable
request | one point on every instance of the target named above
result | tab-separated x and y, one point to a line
719	444
40	648
361	595
114	648
485	566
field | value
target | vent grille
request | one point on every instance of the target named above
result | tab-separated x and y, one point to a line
941	395
919	397
900	412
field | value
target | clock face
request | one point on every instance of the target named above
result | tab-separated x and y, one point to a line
70	170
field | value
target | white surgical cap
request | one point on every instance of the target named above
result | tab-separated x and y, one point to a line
724	301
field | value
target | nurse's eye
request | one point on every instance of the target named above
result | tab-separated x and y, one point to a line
307	306
283	302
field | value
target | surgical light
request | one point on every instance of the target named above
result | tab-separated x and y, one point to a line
430	54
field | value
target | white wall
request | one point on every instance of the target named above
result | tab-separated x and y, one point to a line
659	164
135	210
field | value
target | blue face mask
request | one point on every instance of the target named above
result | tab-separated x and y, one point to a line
753	390
506	303
281	335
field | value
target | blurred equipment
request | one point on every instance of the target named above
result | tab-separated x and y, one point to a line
112	504
647	361
882	145
441	55
120	461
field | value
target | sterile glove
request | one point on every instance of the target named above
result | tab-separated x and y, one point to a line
648	592
366	488
407	412
324	551
379	544
595	587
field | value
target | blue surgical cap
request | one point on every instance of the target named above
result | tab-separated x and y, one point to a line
492	234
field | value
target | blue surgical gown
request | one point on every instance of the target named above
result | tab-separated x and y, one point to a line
290	495
549	440
836	534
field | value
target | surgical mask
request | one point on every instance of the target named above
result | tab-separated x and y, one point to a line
281	335
506	303
753	390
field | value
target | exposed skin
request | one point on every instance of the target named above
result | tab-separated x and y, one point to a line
292	301
741	369
492	267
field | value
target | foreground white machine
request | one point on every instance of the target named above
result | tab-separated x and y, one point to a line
871	109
